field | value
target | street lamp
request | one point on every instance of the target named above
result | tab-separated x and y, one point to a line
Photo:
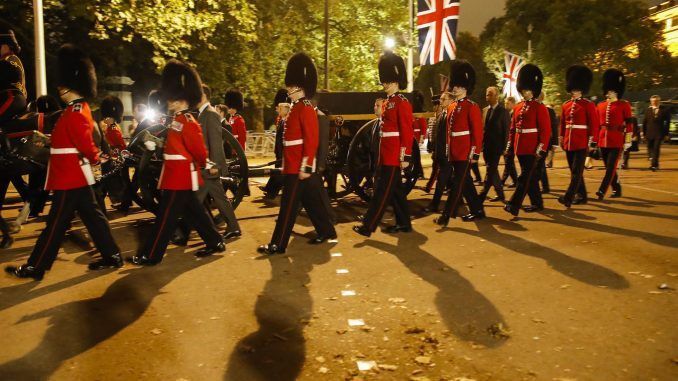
389	43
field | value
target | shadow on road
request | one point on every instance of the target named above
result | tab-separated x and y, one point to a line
277	351
76	327
465	311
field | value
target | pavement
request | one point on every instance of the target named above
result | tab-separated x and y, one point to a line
580	294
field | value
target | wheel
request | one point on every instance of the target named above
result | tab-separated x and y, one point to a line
361	160
235	178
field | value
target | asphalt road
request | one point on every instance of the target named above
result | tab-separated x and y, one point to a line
582	294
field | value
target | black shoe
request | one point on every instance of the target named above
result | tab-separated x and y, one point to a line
478	182
25	271
473	216
579	201
442	220
653	169
533	208
616	194
563	201
320	239
398	229
209	250
512	185
141	261
431	209
362	231
233	234
6	242
600	195
497	198
112	262
546	190
512	209
270	249
179	240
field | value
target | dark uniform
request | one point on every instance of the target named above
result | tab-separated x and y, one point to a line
578	132
616	130
300	145
275	181
528	138
12	79
495	134
184	156
70	174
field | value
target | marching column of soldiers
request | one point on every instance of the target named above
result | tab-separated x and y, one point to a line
194	157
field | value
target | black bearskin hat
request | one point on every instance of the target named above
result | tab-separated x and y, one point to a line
76	71
111	107
7	37
280	97
530	78
234	99
578	77
417	101
613	79
180	82
47	104
392	69
301	72
463	75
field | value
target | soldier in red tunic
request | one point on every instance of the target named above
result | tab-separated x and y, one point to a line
185	155
578	131
529	136
111	115
70	174
616	129
300	144
464	136
395	150
235	103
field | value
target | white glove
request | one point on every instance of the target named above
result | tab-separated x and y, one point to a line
627	146
150	145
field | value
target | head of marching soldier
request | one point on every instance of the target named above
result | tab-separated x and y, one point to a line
614	84
111	110
180	86
530	80
378	107
234	100
392	73
280	103
77	78
579	79
301	77
8	43
462	79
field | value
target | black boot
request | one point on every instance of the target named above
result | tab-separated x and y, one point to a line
112	262
512	209
473	216
270	249
209	250
25	271
362	231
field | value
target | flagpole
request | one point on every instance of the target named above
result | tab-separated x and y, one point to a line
410	53
39	35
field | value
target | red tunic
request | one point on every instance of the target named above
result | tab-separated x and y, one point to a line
419	127
300	139
530	127
396	138
464	129
72	149
578	123
615	121
237	123
185	153
114	137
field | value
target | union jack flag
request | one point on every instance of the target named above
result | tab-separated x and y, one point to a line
437	25
513	64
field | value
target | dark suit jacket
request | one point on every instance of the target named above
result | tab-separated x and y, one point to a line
554	127
210	122
495	130
656	126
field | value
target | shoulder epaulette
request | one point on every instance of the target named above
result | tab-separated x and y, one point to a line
77	107
308	103
403	97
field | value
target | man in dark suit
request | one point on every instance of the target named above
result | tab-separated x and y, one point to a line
509	161
655	129
495	133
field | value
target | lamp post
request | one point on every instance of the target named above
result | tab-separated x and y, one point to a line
389	43
529	42
410	53
327	45
39	36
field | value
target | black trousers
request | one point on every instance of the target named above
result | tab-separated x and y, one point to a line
12	104
653	150
173	205
64	205
476	172
388	190
435	171
611	157
509	169
444	178
492	179
576	160
528	182
462	186
296	193
544	177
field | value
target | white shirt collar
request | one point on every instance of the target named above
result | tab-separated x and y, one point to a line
203	107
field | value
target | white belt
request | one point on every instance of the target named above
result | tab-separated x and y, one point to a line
577	126
63	151
236	136
459	133
527	130
297	142
174	157
417	129
390	134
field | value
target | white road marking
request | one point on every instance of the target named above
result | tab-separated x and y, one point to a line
356	322
347	293
342	271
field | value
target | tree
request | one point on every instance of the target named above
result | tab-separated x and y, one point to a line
598	33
